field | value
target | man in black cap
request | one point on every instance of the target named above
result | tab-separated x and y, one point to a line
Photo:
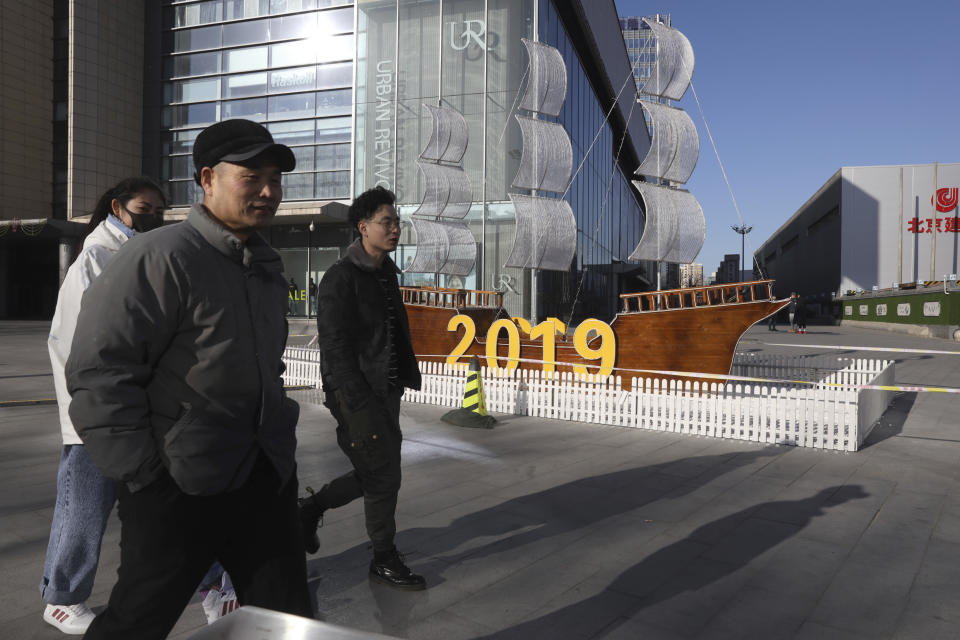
176	392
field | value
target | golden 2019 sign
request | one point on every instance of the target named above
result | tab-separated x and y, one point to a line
546	333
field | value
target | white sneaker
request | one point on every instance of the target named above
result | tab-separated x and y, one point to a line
217	604
72	619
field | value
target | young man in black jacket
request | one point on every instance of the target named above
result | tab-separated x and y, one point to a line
367	361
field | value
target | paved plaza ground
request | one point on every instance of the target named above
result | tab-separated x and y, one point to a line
551	529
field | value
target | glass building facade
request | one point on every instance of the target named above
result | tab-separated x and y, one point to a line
285	63
468	54
344	83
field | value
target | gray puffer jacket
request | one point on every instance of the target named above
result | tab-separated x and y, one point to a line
176	360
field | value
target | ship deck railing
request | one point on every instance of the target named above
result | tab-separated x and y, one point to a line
695	297
451	298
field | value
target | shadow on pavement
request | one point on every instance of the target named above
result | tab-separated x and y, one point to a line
674	570
526	520
892	421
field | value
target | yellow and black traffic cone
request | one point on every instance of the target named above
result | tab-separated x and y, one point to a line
473	413
473	398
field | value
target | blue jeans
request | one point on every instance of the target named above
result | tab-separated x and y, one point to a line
84	501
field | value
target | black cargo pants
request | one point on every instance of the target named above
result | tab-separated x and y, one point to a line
370	437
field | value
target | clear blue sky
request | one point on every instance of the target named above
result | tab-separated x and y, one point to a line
792	91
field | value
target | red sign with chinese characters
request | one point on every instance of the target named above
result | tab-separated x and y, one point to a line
944	200
927	225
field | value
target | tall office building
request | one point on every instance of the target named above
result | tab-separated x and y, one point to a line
115	89
641	46
691	275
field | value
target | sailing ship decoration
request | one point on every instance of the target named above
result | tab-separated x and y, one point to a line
444	241
546	229
679	330
675	227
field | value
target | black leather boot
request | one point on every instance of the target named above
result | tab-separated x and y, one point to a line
311	516
388	568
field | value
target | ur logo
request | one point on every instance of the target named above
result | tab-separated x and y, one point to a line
945	199
473	30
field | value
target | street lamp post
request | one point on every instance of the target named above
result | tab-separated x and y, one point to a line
743	230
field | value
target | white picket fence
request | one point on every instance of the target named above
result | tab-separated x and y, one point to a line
831	414
303	367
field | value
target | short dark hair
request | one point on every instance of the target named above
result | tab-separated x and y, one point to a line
367	203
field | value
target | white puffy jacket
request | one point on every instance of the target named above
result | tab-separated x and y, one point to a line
99	247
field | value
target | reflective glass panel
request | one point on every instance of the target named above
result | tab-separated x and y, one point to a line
290	54
179	141
236	9
198	13
334	103
252	109
298	105
248	84
196	64
286	6
333	184
304	156
335	48
289	27
245	33
289	80
334	75
191	90
187	115
333	156
178	167
298	186
321	4
333	130
193	39
337	21
245	59
297	132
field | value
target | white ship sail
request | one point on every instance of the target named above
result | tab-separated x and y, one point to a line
675	226
546	236
444	242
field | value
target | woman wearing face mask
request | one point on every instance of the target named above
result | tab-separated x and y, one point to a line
84	496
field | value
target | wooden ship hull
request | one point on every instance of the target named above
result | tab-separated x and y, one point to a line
679	330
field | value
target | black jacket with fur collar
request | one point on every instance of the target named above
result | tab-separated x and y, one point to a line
353	332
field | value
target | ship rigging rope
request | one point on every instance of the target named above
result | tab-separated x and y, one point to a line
603	206
723	171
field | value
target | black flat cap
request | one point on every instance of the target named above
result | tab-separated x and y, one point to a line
242	142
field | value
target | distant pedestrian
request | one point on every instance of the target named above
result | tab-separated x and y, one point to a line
176	392
772	322
367	362
801	315
292	290
84	496
792	312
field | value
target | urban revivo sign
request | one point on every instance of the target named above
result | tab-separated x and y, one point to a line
473	31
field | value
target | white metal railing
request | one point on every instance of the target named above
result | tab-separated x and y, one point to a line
833	413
